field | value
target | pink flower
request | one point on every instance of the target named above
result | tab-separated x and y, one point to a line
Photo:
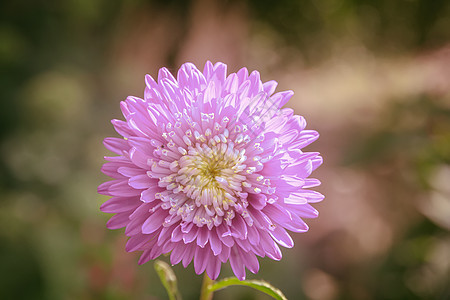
210	169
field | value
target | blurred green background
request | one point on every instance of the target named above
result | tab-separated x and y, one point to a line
372	76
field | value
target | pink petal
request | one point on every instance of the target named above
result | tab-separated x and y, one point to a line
225	235
154	222
253	235
177	235
250	260
243	244
213	268
202	237
136	242
317	162
122	128
191	235
145	257
165	235
134	227
258	201
238	228
118	221
177	254
148	195
130	171
116	145
119	204
270	86
215	243
270	247
305	211
260	219
139	158
277	213
141	181
122	189
237	265
311	196
189	254
296	225
282	237
295	199
201	258
110	169
225	254
311	182
305	138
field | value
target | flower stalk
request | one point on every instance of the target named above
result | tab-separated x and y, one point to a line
206	292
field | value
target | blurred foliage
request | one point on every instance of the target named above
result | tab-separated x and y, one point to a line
410	144
416	131
56	102
384	26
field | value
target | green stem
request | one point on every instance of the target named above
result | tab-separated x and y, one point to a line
206	293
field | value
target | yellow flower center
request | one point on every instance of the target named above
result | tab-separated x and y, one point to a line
209	176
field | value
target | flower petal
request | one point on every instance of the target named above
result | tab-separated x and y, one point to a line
153	223
140	181
116	145
282	237
237	264
119	204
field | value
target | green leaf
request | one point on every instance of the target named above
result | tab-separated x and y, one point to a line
168	279
260	285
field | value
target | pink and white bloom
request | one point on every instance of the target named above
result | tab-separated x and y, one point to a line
210	168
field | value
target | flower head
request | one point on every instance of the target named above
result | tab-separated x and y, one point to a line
210	169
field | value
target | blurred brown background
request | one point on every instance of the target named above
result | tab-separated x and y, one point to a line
373	77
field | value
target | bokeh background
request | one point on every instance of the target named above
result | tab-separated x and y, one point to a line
373	77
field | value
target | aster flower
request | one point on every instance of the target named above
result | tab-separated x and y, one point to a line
210	169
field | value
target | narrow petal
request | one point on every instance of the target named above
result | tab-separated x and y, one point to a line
118	221
237	265
201	258
238	228
213	268
116	145
253	235
148	195
177	235
130	171
122	128
119	204
305	138
188	254
110	169
282	237
215	243
270	86
225	254
202	237
191	235
118	188
250	260
140	181
225	235
145	257
270	247
153	222
136	242
177	253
